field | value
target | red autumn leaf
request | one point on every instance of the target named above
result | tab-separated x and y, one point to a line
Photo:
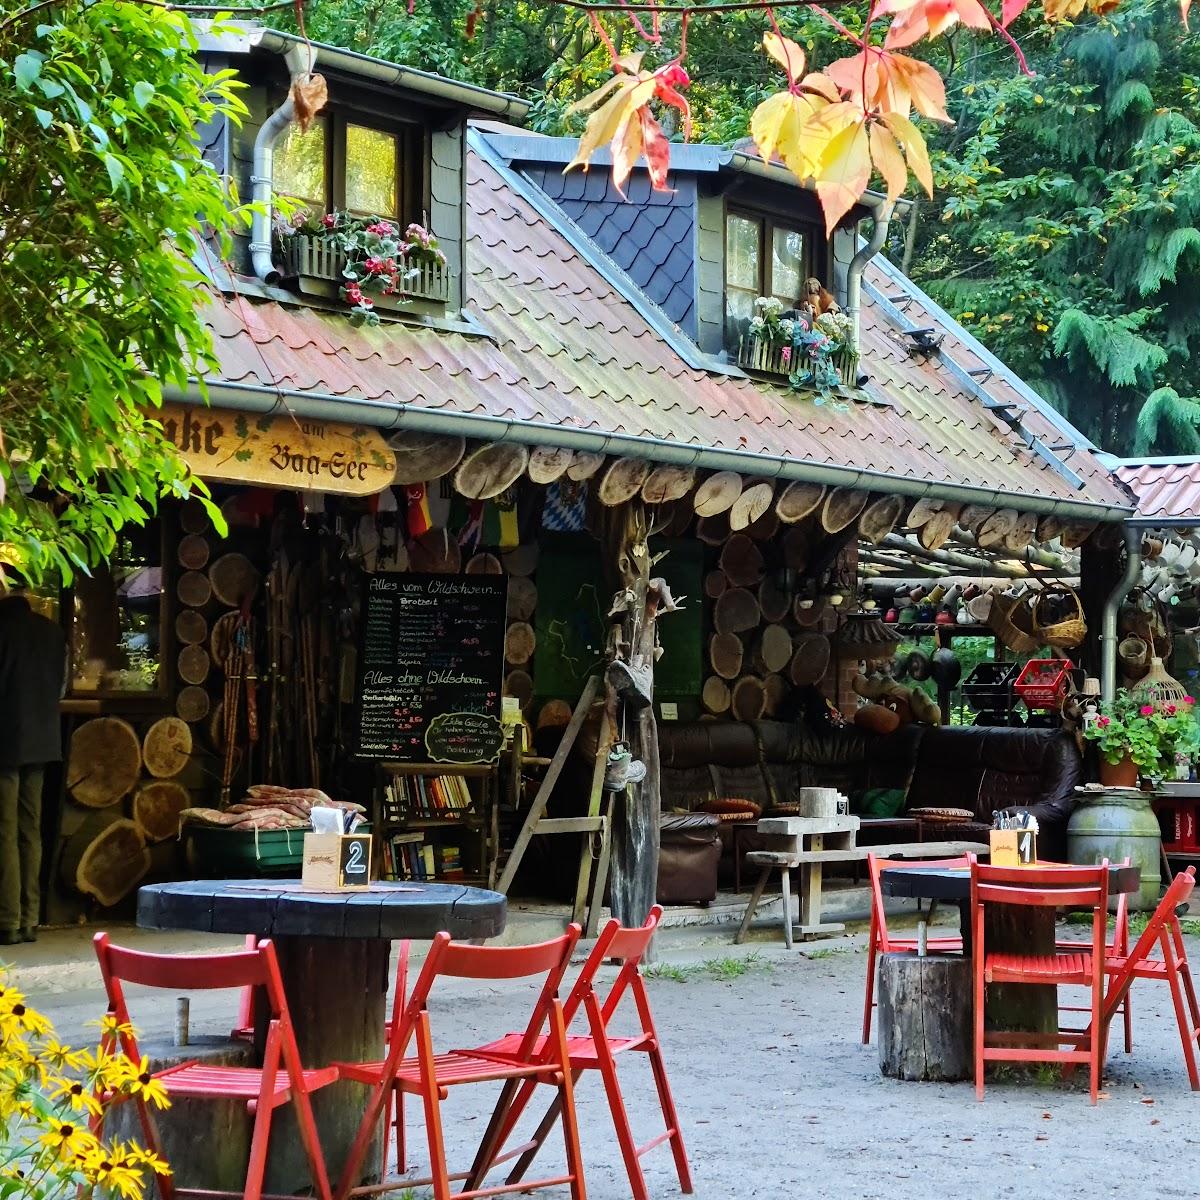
657	150
786	53
1012	9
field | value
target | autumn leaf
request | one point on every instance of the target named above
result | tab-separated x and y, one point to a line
1062	10
656	149
843	171
907	134
786	53
1011	10
776	123
821	85
934	17
626	148
611	117
924	85
889	162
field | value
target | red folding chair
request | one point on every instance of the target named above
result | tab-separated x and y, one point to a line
599	1049
1172	968
1040	887
1117	946
430	1075
880	941
281	1079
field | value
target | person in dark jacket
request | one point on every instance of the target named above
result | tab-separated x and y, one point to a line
32	680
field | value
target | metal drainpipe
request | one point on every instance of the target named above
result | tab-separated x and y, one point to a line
300	60
1112	606
883	217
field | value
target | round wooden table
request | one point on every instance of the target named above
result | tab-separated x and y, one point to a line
1010	928
334	952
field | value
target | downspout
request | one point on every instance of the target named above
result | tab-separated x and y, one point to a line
1112	606
883	217
300	60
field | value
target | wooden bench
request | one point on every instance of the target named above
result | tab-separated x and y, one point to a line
812	842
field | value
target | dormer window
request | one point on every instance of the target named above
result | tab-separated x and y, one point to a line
764	256
368	169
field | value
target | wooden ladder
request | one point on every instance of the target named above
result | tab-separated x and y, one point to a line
596	821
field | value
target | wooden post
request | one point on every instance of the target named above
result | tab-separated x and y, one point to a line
629	699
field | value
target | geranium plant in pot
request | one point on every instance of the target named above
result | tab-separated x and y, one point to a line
369	258
1137	739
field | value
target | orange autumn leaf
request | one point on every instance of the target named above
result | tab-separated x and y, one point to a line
844	167
1011	10
786	53
888	161
915	151
931	18
656	148
924	85
626	147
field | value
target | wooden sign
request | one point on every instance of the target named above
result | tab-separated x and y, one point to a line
430	667
279	450
336	862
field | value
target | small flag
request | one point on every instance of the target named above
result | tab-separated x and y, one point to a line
565	509
419	521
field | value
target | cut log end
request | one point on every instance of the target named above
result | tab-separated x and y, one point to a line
167	747
156	808
112	863
104	763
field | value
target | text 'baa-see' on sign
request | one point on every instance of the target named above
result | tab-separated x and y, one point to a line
278	450
430	668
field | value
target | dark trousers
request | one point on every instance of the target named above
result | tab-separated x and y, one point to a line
20	847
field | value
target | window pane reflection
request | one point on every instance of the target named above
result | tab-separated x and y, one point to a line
370	171
299	168
789	265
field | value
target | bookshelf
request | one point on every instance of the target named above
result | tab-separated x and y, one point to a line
436	821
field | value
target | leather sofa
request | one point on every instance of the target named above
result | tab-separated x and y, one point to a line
971	767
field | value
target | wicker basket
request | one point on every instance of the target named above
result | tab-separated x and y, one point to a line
1012	622
1067	633
1134	653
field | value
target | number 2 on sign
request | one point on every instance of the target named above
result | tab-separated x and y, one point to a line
354	860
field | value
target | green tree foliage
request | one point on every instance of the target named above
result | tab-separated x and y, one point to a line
103	196
1069	238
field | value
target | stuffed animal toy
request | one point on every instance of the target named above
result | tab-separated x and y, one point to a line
815	300
892	705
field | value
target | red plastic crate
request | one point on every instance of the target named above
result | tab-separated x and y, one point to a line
1043	682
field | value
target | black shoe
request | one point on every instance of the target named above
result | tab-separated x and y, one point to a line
10	937
29	934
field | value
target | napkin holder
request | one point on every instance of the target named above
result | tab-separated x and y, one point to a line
1013	847
336	862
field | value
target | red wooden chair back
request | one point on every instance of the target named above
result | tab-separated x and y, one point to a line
1043	887
255	967
879	927
1162	929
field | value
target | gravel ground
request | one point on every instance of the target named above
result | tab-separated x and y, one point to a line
777	1095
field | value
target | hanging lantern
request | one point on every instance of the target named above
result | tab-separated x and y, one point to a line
865	636
1159	688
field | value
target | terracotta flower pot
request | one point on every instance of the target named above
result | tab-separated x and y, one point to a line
1122	774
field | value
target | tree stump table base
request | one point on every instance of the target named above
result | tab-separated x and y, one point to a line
925	1017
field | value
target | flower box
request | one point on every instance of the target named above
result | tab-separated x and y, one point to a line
308	257
754	354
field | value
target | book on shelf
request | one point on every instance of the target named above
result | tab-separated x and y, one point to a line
420	797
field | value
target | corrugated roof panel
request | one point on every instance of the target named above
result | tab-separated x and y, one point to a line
1167	490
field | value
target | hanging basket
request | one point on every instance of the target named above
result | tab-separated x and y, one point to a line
1011	620
1144	616
1066	633
1134	653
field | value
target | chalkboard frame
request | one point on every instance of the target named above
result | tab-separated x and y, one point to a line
491	593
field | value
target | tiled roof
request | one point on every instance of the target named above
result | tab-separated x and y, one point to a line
1170	490
647	233
570	351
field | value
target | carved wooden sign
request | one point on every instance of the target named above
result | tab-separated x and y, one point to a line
279	450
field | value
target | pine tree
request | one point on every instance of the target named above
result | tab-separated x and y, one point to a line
1070	238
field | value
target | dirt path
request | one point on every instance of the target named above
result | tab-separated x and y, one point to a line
779	1098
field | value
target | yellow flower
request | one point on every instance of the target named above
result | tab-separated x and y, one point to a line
69	1138
967	316
76	1095
63	1057
1042	327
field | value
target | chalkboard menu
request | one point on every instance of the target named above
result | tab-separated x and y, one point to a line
431	661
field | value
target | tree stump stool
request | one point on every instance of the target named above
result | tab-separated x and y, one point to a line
925	1017
207	1142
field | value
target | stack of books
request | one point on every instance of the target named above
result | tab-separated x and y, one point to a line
425	797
